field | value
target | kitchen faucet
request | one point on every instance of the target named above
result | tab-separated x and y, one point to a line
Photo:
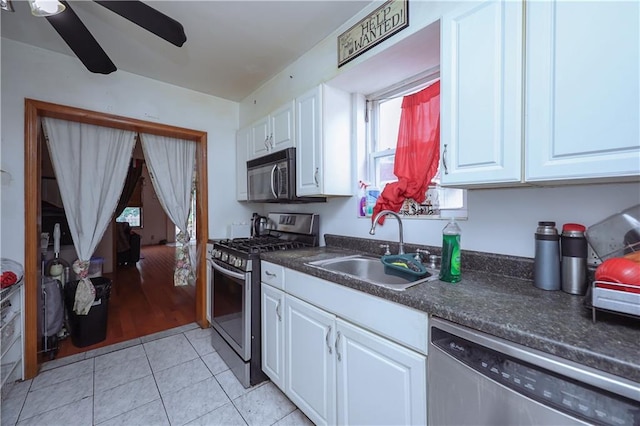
372	231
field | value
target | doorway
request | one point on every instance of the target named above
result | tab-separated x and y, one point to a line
34	110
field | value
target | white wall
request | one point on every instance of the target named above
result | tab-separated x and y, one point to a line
320	63
500	220
29	72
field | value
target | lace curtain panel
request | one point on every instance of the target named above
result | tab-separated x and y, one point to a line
90	163
171	164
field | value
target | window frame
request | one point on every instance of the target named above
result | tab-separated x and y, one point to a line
140	208
372	155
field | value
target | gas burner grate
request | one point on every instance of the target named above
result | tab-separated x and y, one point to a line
262	244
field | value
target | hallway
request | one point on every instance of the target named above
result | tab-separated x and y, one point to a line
143	300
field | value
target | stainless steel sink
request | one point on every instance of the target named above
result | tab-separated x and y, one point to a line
371	270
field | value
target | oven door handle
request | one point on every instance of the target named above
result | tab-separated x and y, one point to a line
226	271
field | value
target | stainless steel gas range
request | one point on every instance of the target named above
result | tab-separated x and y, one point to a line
235	289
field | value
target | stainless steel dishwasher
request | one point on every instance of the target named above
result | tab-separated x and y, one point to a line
478	379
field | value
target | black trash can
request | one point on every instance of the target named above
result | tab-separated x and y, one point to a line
86	330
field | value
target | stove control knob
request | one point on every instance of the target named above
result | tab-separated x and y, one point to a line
238	263
224	257
216	253
232	260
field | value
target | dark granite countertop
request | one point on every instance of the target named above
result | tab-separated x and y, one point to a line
497	296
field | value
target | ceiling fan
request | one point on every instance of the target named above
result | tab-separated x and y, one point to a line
69	26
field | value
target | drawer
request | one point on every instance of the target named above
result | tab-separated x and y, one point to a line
272	274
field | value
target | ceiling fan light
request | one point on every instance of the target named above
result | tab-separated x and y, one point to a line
46	7
6	5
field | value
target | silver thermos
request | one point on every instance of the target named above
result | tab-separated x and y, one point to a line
574	259
546	265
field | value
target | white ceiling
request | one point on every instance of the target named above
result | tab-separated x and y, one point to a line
232	48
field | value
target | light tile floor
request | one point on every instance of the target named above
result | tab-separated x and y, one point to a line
169	378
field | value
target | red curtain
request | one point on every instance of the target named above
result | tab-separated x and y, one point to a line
417	152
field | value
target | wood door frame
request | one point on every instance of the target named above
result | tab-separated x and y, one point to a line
35	109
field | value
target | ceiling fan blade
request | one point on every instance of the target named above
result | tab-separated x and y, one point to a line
148	18
80	40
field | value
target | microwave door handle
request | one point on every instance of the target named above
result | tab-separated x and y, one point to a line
273	175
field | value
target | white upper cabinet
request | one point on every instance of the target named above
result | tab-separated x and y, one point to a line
243	142
481	93
323	148
582	93
282	126
260	135
579	118
274	132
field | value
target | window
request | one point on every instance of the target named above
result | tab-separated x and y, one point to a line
133	215
384	111
133	212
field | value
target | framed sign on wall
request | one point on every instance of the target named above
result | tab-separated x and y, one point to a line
379	25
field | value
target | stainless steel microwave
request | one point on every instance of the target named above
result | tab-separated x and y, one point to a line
272	179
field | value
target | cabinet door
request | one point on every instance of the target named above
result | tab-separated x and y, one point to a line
310	375
243	141
259	138
379	382
481	93
282	127
273	334
583	93
309	142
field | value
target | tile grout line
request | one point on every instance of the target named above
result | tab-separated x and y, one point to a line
166	413
24	401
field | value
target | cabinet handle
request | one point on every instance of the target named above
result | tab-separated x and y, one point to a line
444	160
271	141
278	310
270	274
337	344
315	177
266	143
326	339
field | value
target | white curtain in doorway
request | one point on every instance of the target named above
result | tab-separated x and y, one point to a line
171	164
90	163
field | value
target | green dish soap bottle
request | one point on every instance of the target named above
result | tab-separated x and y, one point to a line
450	267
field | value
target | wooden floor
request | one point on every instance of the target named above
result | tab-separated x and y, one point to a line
143	300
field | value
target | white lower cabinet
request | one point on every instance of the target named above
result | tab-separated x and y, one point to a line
272	325
335	371
310	380
379	381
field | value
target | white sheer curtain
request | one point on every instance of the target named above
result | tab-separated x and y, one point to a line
90	163
171	164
